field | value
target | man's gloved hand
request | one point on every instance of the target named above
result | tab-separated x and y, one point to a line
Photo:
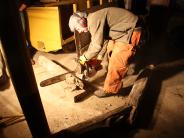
82	60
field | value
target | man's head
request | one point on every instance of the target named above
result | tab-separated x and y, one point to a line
78	22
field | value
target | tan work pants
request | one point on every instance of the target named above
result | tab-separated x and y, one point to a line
119	53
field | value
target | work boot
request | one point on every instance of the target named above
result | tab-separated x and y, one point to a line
102	94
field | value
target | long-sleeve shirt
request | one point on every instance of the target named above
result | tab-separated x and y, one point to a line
109	23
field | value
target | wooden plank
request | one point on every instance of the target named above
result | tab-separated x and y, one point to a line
137	91
99	120
63	2
167	65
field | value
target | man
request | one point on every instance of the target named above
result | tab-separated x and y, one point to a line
117	25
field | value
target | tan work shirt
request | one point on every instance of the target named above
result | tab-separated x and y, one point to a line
109	23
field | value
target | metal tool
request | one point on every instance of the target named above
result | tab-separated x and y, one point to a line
53	80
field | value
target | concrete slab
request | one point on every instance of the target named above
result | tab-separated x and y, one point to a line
60	109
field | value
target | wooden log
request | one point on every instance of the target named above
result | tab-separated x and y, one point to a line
173	64
63	2
137	91
98	120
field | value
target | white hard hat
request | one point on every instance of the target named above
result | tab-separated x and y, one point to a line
75	20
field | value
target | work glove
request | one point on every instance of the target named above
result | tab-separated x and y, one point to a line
82	59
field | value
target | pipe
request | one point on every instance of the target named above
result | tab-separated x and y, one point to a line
20	68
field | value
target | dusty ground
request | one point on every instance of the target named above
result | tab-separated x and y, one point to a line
161	113
57	99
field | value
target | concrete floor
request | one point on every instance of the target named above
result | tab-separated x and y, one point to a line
161	112
57	99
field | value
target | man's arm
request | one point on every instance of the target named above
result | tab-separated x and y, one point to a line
96	28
